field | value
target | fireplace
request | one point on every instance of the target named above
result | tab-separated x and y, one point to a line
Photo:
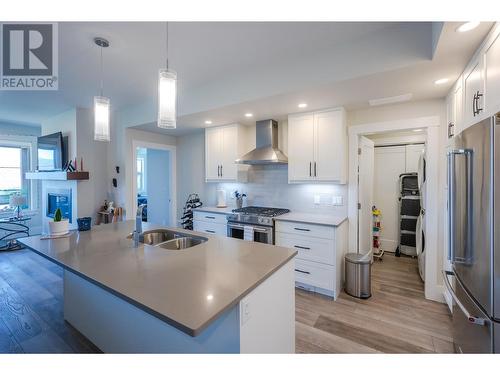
59	198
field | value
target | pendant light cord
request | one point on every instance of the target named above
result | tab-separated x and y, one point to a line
167	45
102	72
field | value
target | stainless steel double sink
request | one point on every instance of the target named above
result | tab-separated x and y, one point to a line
169	239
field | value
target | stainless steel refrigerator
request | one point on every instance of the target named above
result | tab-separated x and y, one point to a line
474	238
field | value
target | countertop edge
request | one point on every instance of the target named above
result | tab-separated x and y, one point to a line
295	220
193	332
215	210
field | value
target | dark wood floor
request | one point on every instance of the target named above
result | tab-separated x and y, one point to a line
396	319
31	307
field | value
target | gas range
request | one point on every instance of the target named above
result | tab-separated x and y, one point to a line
256	215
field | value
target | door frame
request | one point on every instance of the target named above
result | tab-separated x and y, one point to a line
132	199
433	281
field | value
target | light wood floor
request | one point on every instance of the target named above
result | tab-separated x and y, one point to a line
396	319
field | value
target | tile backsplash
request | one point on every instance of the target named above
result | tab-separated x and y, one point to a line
268	186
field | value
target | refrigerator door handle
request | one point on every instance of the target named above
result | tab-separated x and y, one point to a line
471	318
451	199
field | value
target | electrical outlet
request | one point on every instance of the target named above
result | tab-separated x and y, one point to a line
317	199
245	313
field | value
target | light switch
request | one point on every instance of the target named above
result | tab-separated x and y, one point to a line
337	200
317	199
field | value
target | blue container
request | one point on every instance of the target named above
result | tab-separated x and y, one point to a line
84	223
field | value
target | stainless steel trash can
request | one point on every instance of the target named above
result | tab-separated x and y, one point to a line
358	275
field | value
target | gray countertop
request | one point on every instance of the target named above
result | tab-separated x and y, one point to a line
188	289
311	218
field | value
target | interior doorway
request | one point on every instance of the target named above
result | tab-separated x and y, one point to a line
154	182
153	185
398	149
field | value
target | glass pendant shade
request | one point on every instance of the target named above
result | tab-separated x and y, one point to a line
101	119
167	99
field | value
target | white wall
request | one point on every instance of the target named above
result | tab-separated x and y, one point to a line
191	170
93	192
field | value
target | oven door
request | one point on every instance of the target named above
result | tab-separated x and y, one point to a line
250	232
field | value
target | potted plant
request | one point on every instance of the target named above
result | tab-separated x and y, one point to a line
239	199
58	226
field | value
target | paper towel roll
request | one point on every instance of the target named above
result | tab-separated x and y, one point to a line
221	198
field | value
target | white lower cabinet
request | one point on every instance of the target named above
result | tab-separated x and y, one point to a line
208	222
319	264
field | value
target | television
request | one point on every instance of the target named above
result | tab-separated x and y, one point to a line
52	152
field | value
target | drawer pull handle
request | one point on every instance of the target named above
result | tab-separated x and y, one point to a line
209	231
302	271
303	229
210	217
302	247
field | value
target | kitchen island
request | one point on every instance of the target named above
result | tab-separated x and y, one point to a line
221	296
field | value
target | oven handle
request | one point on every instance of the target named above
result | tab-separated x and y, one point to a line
471	318
235	226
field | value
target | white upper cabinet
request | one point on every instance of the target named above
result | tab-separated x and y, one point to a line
492	75
223	145
317	147
300	147
473	91
476	94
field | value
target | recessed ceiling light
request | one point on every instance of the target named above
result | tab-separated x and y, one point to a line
302	105
418	130
467	26
391	99
441	81
210	297
208	122
248	115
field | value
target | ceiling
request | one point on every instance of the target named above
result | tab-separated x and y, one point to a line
226	69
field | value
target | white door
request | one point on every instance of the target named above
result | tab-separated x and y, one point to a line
389	164
229	153
365	194
473	84
329	134
300	147
492	76
458	112
213	151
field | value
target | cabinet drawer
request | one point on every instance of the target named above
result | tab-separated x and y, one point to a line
212	228
304	229
210	217
309	248
315	274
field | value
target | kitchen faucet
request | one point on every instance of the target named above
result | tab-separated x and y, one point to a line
138	224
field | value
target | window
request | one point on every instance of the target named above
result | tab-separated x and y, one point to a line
141	185
14	162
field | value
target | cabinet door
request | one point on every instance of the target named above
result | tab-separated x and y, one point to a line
473	84
492	77
330	146
300	147
213	152
229	136
458	108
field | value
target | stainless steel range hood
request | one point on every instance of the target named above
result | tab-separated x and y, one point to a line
266	150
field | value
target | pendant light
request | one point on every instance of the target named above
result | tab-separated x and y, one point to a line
167	96
101	104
